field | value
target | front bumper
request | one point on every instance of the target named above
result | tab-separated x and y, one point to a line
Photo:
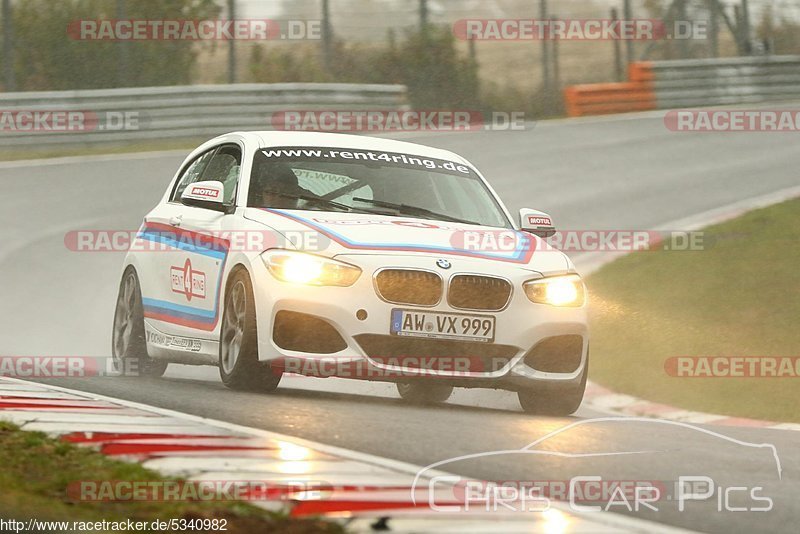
362	320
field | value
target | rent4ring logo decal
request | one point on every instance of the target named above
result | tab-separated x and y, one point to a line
187	281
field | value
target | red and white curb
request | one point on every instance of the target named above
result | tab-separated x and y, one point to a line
361	489
604	400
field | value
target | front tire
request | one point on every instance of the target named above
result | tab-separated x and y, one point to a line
424	392
239	366
128	345
555	400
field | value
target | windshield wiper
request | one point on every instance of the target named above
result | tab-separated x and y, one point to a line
311	198
413	210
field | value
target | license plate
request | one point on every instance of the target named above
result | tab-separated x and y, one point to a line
441	325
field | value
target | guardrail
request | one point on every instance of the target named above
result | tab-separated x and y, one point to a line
690	83
162	113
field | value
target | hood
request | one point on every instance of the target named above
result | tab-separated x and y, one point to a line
335	233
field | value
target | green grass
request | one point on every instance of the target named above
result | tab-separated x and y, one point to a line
738	297
38	469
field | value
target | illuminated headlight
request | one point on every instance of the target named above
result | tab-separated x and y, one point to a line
565	290
302	268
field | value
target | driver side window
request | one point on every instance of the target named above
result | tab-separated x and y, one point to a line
191	174
224	167
220	164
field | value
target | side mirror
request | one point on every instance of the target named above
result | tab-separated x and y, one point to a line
209	195
536	222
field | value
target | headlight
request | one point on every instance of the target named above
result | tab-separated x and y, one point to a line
302	268
565	290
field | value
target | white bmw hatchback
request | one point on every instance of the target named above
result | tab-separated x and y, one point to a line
337	255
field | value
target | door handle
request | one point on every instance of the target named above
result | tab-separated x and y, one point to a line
176	221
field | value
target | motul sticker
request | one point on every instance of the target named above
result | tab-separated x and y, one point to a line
206	192
534	219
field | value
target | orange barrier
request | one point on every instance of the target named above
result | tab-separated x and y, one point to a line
641	71
637	94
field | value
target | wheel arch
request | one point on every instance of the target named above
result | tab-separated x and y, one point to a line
237	267
132	262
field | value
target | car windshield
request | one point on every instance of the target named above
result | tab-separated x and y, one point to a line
370	181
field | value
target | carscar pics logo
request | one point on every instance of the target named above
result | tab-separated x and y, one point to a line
590	491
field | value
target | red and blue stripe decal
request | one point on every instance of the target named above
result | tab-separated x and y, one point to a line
521	254
192	243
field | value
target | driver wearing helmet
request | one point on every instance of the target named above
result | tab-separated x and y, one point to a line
274	185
